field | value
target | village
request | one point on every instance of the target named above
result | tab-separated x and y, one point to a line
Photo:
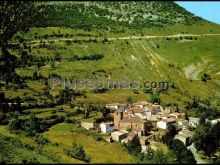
147	121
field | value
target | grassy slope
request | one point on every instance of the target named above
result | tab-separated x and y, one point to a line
137	60
61	134
101	152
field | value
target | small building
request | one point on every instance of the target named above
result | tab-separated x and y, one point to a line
153	108
109	139
176	115
163	124
154	118
143	148
87	125
116	106
135	124
136	112
148	115
215	121
119	135
185	136
183	123
167	110
129	137
144	140
125	121
164	116
141	104
193	122
107	127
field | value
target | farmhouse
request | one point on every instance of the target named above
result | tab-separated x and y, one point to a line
87	125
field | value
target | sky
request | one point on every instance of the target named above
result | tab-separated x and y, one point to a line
207	10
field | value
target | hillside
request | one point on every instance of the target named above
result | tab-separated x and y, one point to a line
180	52
110	14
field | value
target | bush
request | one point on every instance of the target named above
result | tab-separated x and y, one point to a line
155	98
14	124
134	146
98	138
78	152
205	77
135	91
40	139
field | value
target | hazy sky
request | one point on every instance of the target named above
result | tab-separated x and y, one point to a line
207	10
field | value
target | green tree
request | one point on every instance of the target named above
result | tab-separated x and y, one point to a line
65	96
161	158
16	16
206	137
86	113
155	98
171	130
35	75
169	135
205	77
14	124
105	113
183	155
186	117
129	100
134	146
78	152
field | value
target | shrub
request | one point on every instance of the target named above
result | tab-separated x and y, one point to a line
40	139
135	91
155	97
78	152
134	146
205	77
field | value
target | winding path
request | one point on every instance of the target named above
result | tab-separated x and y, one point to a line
124	38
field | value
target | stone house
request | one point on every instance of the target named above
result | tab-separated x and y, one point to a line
123	121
